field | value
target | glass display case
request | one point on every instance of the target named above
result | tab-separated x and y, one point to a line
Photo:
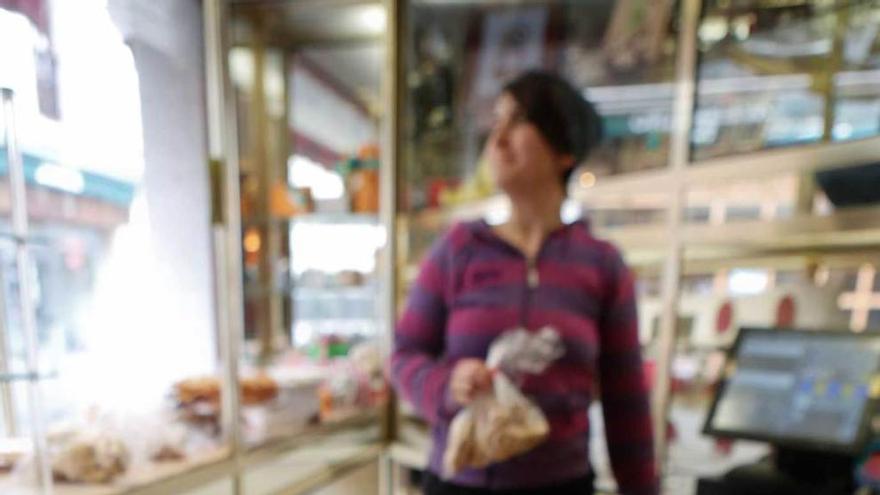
459	55
107	273
131	290
126	347
856	113
781	74
456	58
734	229
310	113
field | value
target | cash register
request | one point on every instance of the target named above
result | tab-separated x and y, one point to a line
811	395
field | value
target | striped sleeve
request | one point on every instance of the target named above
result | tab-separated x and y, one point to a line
419	369
625	394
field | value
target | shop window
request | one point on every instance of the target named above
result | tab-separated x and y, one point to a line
741	107
857	84
461	54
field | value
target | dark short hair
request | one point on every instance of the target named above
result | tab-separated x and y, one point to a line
569	123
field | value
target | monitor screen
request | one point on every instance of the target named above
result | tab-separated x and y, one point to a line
798	388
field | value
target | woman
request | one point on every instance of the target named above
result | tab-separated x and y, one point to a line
532	271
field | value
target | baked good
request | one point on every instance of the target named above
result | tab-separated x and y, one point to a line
91	459
256	389
490	431
201	389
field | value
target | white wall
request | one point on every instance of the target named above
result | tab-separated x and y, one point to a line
165	37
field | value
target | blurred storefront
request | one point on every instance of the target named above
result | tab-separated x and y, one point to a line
211	212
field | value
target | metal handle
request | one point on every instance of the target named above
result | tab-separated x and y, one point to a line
28	313
222	146
10	422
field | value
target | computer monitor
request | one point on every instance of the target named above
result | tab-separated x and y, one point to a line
805	390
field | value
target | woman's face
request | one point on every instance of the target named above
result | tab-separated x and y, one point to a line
521	160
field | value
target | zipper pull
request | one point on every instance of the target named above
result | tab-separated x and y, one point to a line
532	277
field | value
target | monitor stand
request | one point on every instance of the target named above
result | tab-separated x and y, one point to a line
786	472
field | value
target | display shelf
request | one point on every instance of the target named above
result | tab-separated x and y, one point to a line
152	479
351	291
844	230
34	241
338	218
289	478
353	442
851	232
436	218
23	377
409	456
7	235
363	425
657	183
342	321
328	218
294	476
254	289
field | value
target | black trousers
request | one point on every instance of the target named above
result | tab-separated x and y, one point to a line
432	485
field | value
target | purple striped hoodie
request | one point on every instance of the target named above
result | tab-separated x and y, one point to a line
472	287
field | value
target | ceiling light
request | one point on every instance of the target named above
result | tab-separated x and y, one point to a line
373	18
252	241
587	180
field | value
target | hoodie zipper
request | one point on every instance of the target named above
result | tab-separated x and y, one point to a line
532	281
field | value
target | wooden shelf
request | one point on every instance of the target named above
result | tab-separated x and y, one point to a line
183	476
846	237
655	184
316	218
845	231
740	168
437	218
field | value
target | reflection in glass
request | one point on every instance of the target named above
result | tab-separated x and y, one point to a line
857	85
773	75
112	138
460	55
309	118
759	76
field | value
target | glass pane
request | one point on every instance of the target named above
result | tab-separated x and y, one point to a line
14	412
460	54
310	115
113	135
857	84
759	76
14	108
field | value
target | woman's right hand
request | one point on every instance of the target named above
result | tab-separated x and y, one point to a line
470	378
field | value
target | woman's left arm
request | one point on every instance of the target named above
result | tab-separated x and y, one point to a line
625	394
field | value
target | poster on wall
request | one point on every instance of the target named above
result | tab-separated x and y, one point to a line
512	42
